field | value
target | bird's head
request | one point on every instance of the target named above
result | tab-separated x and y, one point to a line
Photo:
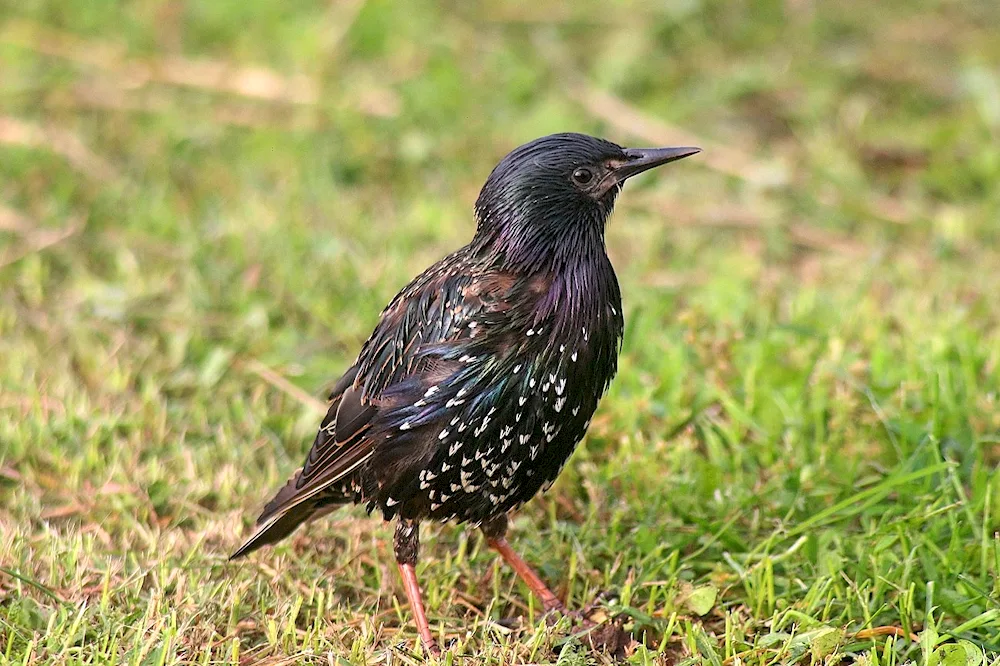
552	197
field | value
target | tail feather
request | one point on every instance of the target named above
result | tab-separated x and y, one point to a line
275	528
279	518
301	499
281	497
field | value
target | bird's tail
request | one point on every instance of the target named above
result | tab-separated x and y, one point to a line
278	519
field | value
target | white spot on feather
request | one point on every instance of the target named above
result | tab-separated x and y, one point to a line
467	483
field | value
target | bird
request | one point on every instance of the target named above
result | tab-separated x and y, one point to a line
482	374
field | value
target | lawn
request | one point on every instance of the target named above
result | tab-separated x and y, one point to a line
205	205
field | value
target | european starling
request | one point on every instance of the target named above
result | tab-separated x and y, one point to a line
483	373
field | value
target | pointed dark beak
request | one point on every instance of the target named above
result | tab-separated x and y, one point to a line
644	159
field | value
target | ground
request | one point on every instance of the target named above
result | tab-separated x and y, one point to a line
204	206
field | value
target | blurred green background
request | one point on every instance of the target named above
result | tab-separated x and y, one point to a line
204	206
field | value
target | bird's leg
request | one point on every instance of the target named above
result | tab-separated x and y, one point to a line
406	543
610	637
495	530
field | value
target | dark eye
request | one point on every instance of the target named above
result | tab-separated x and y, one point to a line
582	176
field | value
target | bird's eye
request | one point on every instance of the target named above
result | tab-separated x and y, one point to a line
582	176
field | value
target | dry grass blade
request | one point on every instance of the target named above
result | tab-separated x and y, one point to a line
285	386
731	216
38	241
876	632
108	94
215	75
256	82
14	220
530	14
683	211
655	131
822	239
17	132
339	21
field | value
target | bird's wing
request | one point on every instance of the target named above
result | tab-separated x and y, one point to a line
436	309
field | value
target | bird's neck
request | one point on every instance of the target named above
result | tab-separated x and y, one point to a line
560	245
573	264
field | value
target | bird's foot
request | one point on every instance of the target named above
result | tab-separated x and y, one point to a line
554	611
596	629
581	617
431	647
609	637
575	617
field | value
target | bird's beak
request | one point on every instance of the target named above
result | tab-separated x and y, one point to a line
636	161
644	159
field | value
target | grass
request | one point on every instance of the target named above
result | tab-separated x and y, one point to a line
204	206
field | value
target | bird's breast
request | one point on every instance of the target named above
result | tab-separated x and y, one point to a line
508	431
